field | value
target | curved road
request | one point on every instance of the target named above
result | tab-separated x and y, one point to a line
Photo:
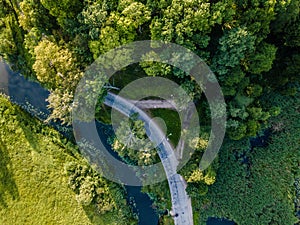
181	203
150	104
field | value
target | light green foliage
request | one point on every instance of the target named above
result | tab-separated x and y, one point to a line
7	47
120	27
135	14
91	188
131	143
12	47
55	66
110	38
183	22
198	181
34	187
60	102
198	143
186	23
65	7
252	47
36	21
93	17
32	39
156	68
224	12
56	69
195	176
35	15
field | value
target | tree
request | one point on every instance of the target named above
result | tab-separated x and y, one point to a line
57	69
55	66
60	102
120	27
93	17
228	57
35	15
92	189
287	13
263	58
132	144
251	186
65	12
12	47
186	23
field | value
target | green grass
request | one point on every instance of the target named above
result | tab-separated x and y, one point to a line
172	121
34	187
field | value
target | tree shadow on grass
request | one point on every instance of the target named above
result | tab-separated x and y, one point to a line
8	187
91	213
29	134
29	126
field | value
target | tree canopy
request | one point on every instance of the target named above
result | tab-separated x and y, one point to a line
253	48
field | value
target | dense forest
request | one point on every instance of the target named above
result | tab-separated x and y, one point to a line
253	48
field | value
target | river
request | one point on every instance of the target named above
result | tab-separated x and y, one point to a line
31	96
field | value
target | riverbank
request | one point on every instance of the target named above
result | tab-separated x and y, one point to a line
34	187
32	98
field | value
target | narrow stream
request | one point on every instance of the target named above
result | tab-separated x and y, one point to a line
31	96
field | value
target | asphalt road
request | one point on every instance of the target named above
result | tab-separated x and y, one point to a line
181	203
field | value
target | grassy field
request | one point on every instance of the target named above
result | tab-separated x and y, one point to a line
34	187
